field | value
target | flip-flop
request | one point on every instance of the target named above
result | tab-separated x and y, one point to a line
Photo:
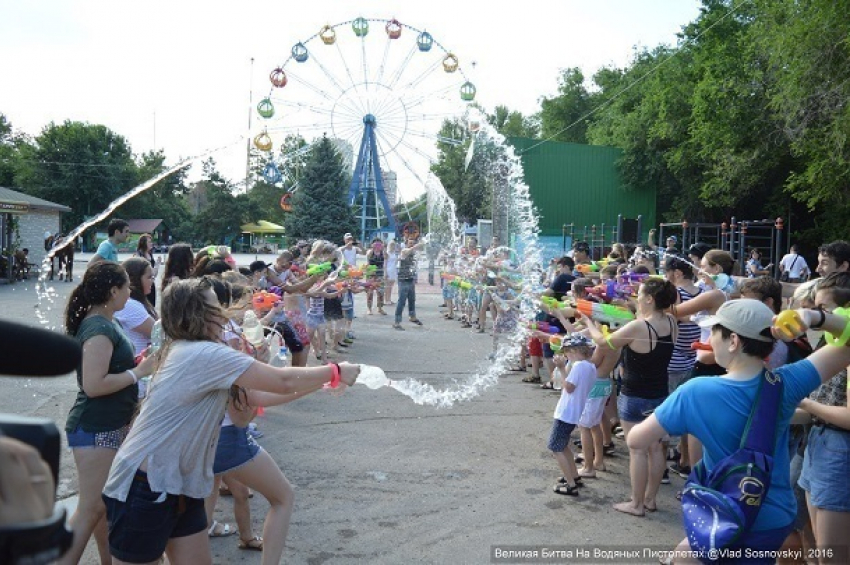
253	544
548	386
226	530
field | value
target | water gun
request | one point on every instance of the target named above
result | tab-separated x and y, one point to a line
699	346
296	269
320	268
615	316
788	324
551	302
586	269
555	343
370	270
543	327
461	283
265	300
351	273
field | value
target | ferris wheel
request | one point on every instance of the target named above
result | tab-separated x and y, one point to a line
381	90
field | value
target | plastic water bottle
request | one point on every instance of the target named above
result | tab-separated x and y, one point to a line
373	377
281	357
156	336
252	329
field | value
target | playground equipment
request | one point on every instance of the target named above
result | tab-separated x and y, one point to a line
736	237
600	238
380	94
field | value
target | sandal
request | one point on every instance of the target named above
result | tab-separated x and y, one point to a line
253	544
577	481
548	386
532	379
215	532
566	490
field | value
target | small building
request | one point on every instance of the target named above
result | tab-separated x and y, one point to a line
25	220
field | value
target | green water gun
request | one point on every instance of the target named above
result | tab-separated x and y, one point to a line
320	269
551	302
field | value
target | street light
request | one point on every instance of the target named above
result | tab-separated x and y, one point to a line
564	240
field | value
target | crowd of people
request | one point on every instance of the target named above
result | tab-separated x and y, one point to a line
649	344
680	379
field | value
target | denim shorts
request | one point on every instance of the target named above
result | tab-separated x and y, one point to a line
559	438
140	527
634	409
825	466
315	321
235	448
88	440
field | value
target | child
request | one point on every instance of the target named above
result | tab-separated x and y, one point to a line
590	426
507	316
577	386
164	469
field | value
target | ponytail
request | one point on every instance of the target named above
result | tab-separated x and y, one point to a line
94	290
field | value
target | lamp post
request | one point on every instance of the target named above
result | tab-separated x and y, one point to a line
564	239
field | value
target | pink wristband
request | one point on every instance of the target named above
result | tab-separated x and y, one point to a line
335	379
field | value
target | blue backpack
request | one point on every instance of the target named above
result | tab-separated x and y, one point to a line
721	506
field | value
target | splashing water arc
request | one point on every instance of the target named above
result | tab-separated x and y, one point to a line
44	292
501	165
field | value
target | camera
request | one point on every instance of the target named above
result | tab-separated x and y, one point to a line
22	354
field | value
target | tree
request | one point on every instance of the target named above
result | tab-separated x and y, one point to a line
512	123
220	221
561	117
466	185
266	196
319	207
10	143
80	165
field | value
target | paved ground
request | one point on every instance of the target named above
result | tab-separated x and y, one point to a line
381	480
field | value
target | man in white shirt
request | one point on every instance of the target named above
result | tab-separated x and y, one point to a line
350	250
795	265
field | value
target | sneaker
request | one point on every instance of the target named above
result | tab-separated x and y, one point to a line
350	335
665	480
348	340
673	454
415	321
682	470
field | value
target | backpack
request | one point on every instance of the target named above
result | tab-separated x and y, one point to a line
722	505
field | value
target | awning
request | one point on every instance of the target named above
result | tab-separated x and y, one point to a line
143	226
262	226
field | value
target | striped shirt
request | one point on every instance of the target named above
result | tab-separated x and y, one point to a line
683	356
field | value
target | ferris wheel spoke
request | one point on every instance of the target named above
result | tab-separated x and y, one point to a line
321	92
365	64
430	96
333	80
428	71
350	76
402	66
435	137
303	106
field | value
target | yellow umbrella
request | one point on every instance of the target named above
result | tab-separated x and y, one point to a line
261	227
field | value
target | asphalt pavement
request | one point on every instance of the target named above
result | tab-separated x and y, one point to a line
379	479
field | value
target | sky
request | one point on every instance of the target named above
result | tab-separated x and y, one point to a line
178	75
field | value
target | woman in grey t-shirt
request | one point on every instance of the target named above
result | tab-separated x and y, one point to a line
156	488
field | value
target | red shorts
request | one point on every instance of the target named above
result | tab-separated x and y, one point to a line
535	349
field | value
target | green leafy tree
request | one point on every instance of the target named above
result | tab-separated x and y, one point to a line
164	200
561	116
806	45
80	165
513	124
466	185
220	220
319	206
291	162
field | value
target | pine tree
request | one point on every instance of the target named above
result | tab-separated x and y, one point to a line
319	207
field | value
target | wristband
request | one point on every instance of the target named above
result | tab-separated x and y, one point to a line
819	324
133	374
335	379
845	335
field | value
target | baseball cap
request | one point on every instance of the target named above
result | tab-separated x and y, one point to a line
348	236
699	249
576	340
744	316
258	266
582	246
674	238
